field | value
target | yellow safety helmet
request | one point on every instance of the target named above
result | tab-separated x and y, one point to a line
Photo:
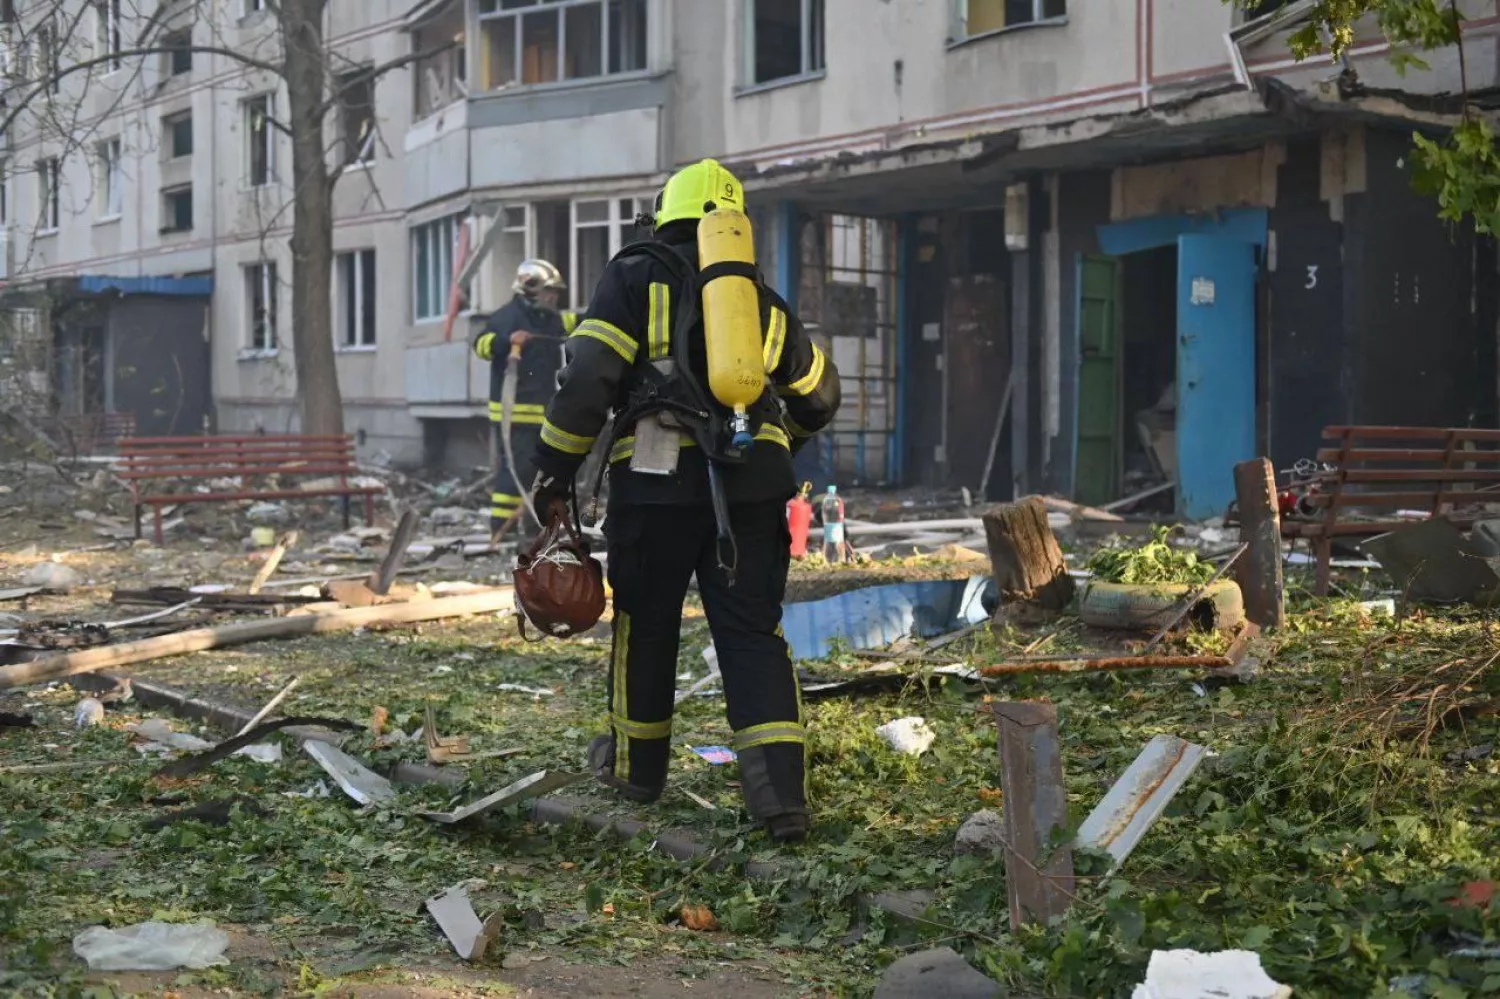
696	190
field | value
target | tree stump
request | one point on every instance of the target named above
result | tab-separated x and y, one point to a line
1025	557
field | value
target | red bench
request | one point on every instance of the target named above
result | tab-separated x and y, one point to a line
1448	471
146	461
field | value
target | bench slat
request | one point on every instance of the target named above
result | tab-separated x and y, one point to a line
1411	433
236	470
1416	501
206	459
1406	455
259	494
258	438
1364	475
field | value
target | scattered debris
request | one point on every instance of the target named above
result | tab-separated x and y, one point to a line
876	616
244	744
270	706
717	755
1188	974
152	946
455	916
161	739
10	719
359	782
1139	797
213	813
1379	608
90	711
518	688
22	593
442	748
981	834
699	918
273	560
266	513
53	577
1089	664
930	974
1433	562
385	574
540	783
912	735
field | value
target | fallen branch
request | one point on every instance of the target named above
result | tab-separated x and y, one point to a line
87	661
273	560
1107	663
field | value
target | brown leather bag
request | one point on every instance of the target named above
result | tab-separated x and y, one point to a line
559	587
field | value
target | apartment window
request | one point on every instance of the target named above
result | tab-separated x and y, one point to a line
177	209
260	141
529	42
178	59
177	134
108	36
356	99
49	183
441	72
4	193
432	247
260	307
356	299
581	236
109	183
249	7
978	17
47	62
785	39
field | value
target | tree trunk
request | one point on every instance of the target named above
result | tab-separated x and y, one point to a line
312	218
1025	557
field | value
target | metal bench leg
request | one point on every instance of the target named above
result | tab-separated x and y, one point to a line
156	520
347	499
369	510
1323	550
137	521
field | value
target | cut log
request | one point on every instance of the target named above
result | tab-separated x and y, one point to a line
88	660
1260	573
1025	557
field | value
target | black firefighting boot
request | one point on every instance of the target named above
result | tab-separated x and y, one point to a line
602	763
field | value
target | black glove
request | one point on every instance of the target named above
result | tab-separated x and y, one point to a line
550	496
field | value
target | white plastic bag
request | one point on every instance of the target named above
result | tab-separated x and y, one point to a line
152	947
912	736
1188	974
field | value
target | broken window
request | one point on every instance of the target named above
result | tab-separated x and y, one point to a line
49	190
260	300
178	59
177	209
529	41
178	134
356	299
109	184
432	255
978	17
356	99
259	140
108	35
440	72
48	65
785	39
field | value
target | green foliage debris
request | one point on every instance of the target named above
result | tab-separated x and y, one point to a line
1157	561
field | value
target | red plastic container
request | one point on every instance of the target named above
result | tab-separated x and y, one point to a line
799	519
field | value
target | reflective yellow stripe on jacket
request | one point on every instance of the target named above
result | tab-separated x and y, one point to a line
520	413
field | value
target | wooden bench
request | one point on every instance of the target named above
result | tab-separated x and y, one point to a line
146	461
1448	471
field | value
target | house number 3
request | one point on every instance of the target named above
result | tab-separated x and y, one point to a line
1312	277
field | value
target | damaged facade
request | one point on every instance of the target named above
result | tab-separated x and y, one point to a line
1161	243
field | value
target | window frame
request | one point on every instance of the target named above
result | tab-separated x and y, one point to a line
808	71
167	196
109	34
109	181
366	327
263	273
436	263
247	109
49	194
614	222
251	7
5	194
169	123
960	14
363	156
517	15
170	41
47	55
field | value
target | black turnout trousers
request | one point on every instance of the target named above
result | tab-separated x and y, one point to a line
654	551
505	497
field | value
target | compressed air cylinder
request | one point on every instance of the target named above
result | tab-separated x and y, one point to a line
731	318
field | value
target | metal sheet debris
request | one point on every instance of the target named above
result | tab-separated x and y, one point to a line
357	781
1433	562
540	783
461	925
1140	796
879	615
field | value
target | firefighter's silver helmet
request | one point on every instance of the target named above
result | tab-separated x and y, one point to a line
535	276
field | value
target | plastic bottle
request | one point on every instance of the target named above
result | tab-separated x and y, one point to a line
833	526
799	520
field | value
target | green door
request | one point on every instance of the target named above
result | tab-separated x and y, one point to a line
1097	476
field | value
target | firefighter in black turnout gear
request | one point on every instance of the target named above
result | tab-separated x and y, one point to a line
531	318
641	353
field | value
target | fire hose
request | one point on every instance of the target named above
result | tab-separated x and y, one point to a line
518	341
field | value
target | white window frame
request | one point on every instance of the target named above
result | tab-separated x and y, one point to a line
247	111
109	183
263	272
440	265
562	6
1038	16
109	34
354	301
614	222
49	194
807	71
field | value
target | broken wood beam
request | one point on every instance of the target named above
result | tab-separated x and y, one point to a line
1101	664
273	560
1026	559
1260	574
1038	877
86	661
385	574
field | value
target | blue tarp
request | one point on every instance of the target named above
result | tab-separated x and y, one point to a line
95	284
879	615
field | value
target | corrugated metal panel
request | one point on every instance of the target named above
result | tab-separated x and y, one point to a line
199	287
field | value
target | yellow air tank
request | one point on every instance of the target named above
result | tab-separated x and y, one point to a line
731	318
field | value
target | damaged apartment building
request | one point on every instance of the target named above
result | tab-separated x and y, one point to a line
1079	247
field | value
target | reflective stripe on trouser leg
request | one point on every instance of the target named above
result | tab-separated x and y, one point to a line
627	731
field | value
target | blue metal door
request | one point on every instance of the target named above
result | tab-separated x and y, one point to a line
1215	370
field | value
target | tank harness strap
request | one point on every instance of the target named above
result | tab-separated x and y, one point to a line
729	268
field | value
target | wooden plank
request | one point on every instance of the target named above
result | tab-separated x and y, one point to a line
1410	433
1260	573
1475	475
1406	455
1409	501
149	459
217	439
260	494
230	470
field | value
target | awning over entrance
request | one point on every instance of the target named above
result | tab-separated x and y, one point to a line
183	287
